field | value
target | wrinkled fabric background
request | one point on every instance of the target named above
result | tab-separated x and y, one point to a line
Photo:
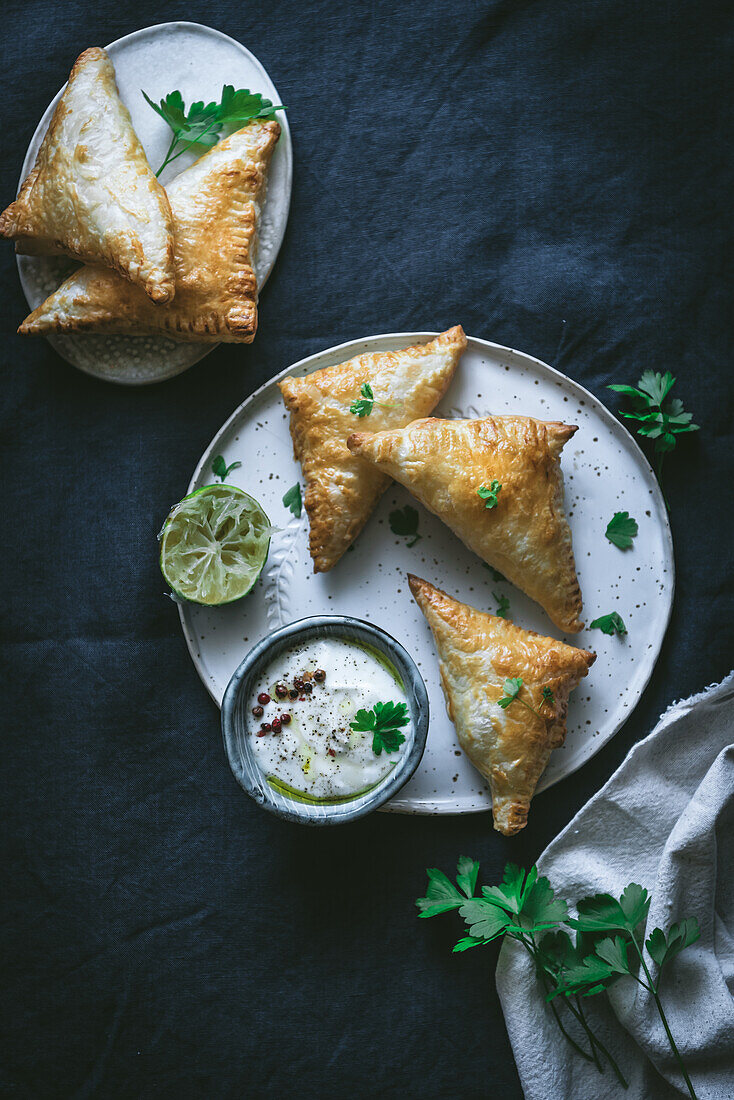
556	176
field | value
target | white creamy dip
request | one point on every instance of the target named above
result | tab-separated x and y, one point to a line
309	748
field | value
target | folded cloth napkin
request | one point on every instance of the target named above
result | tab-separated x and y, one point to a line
665	820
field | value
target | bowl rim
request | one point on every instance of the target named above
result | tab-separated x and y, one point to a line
415	691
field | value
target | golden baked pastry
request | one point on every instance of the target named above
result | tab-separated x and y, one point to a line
216	207
525	535
341	490
91	193
477	652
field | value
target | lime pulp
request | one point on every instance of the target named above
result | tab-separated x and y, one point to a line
214	545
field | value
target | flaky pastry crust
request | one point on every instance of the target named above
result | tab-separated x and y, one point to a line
342	490
526	536
91	193
216	208
476	653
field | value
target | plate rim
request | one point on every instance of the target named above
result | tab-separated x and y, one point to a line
29	160
405	339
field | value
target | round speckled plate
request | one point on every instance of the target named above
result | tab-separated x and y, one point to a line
604	471
198	61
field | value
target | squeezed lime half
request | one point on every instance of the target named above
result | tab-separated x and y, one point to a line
214	545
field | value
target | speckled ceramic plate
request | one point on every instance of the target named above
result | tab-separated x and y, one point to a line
198	61
604	471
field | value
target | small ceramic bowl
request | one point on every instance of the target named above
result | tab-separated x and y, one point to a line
247	771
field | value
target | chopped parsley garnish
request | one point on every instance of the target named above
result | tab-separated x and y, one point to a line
489	494
610	624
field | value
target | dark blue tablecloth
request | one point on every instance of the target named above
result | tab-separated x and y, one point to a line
556	176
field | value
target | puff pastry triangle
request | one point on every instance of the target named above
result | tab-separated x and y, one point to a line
91	193
526	535
216	207
342	490
477	652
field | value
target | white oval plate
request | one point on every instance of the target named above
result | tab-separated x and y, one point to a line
604	472
197	60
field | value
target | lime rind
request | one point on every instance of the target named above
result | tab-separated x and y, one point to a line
214	545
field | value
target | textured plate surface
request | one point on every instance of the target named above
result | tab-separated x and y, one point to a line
604	472
198	61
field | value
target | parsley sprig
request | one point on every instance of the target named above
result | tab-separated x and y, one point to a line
608	943
511	688
203	123
657	416
220	468
364	406
490	493
383	721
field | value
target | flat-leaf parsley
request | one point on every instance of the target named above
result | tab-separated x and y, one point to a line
203	123
608	944
404	521
610	624
292	499
621	529
490	493
220	468
364	406
659	417
383	721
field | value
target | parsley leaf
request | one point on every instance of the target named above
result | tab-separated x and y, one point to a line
490	495
363	407
383	721
548	696
485	921
540	905
511	689
496	575
466	875
203	123
604	913
220	468
621	529
503	605
658	416
442	895
609	624
292	499
662	948
405	522
466	942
